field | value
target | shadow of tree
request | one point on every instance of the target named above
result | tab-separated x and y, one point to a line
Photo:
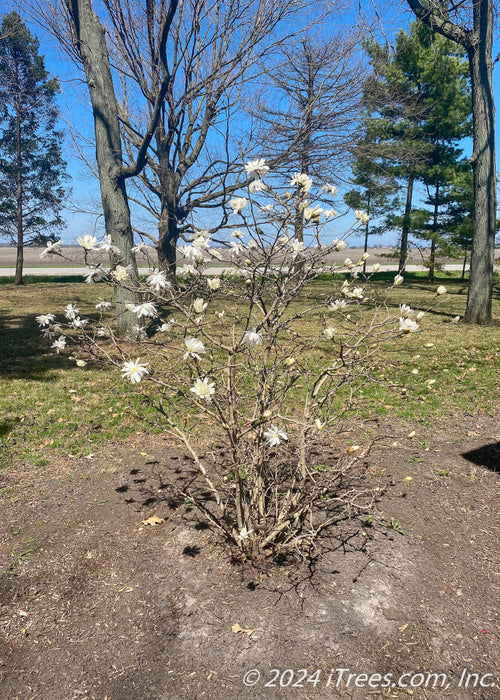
24	352
486	456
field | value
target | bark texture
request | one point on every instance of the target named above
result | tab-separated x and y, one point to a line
92	48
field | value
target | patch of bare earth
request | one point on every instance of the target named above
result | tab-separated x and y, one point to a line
101	605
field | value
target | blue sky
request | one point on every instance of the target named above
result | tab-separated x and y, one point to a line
74	104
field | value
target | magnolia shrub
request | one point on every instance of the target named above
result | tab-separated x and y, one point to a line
246	349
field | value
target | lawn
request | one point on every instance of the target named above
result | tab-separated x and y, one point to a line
49	405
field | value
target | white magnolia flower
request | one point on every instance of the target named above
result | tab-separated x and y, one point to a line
257	167
455	319
203	389
121	273
165	328
238	204
140	248
348	262
71	311
88	242
441	290
357	293
329	332
59	344
257	186
420	315
199	305
108	247
267	208
376	267
301	180
329	189
337	305
186	271
407	325
236	249
45	319
220	314
195	348
244	534
78	322
213	283
364	257
330	214
252	338
275	435
237	234
103	305
283	240
51	330
94	274
194	254
405	310
103	332
312	214
297	246
158	281
319	425
146	309
51	249
134	371
202	241
339	245
362	216
399	279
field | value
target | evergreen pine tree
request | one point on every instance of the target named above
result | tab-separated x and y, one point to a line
32	171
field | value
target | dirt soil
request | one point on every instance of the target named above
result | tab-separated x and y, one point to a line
97	604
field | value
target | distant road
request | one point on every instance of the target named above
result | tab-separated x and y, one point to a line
74	271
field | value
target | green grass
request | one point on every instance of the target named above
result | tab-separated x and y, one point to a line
49	406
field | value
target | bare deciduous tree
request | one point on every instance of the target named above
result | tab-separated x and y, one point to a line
212	49
83	35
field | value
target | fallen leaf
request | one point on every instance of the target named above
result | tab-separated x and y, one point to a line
236	628
352	448
402	629
412	434
153	520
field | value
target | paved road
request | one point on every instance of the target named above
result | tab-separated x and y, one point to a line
71	271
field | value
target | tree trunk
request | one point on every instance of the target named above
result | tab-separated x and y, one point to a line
18	279
479	44
367	229
432	256
403	251
94	53
168	235
479	298
464	266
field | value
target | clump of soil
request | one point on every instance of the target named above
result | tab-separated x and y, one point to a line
98	601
